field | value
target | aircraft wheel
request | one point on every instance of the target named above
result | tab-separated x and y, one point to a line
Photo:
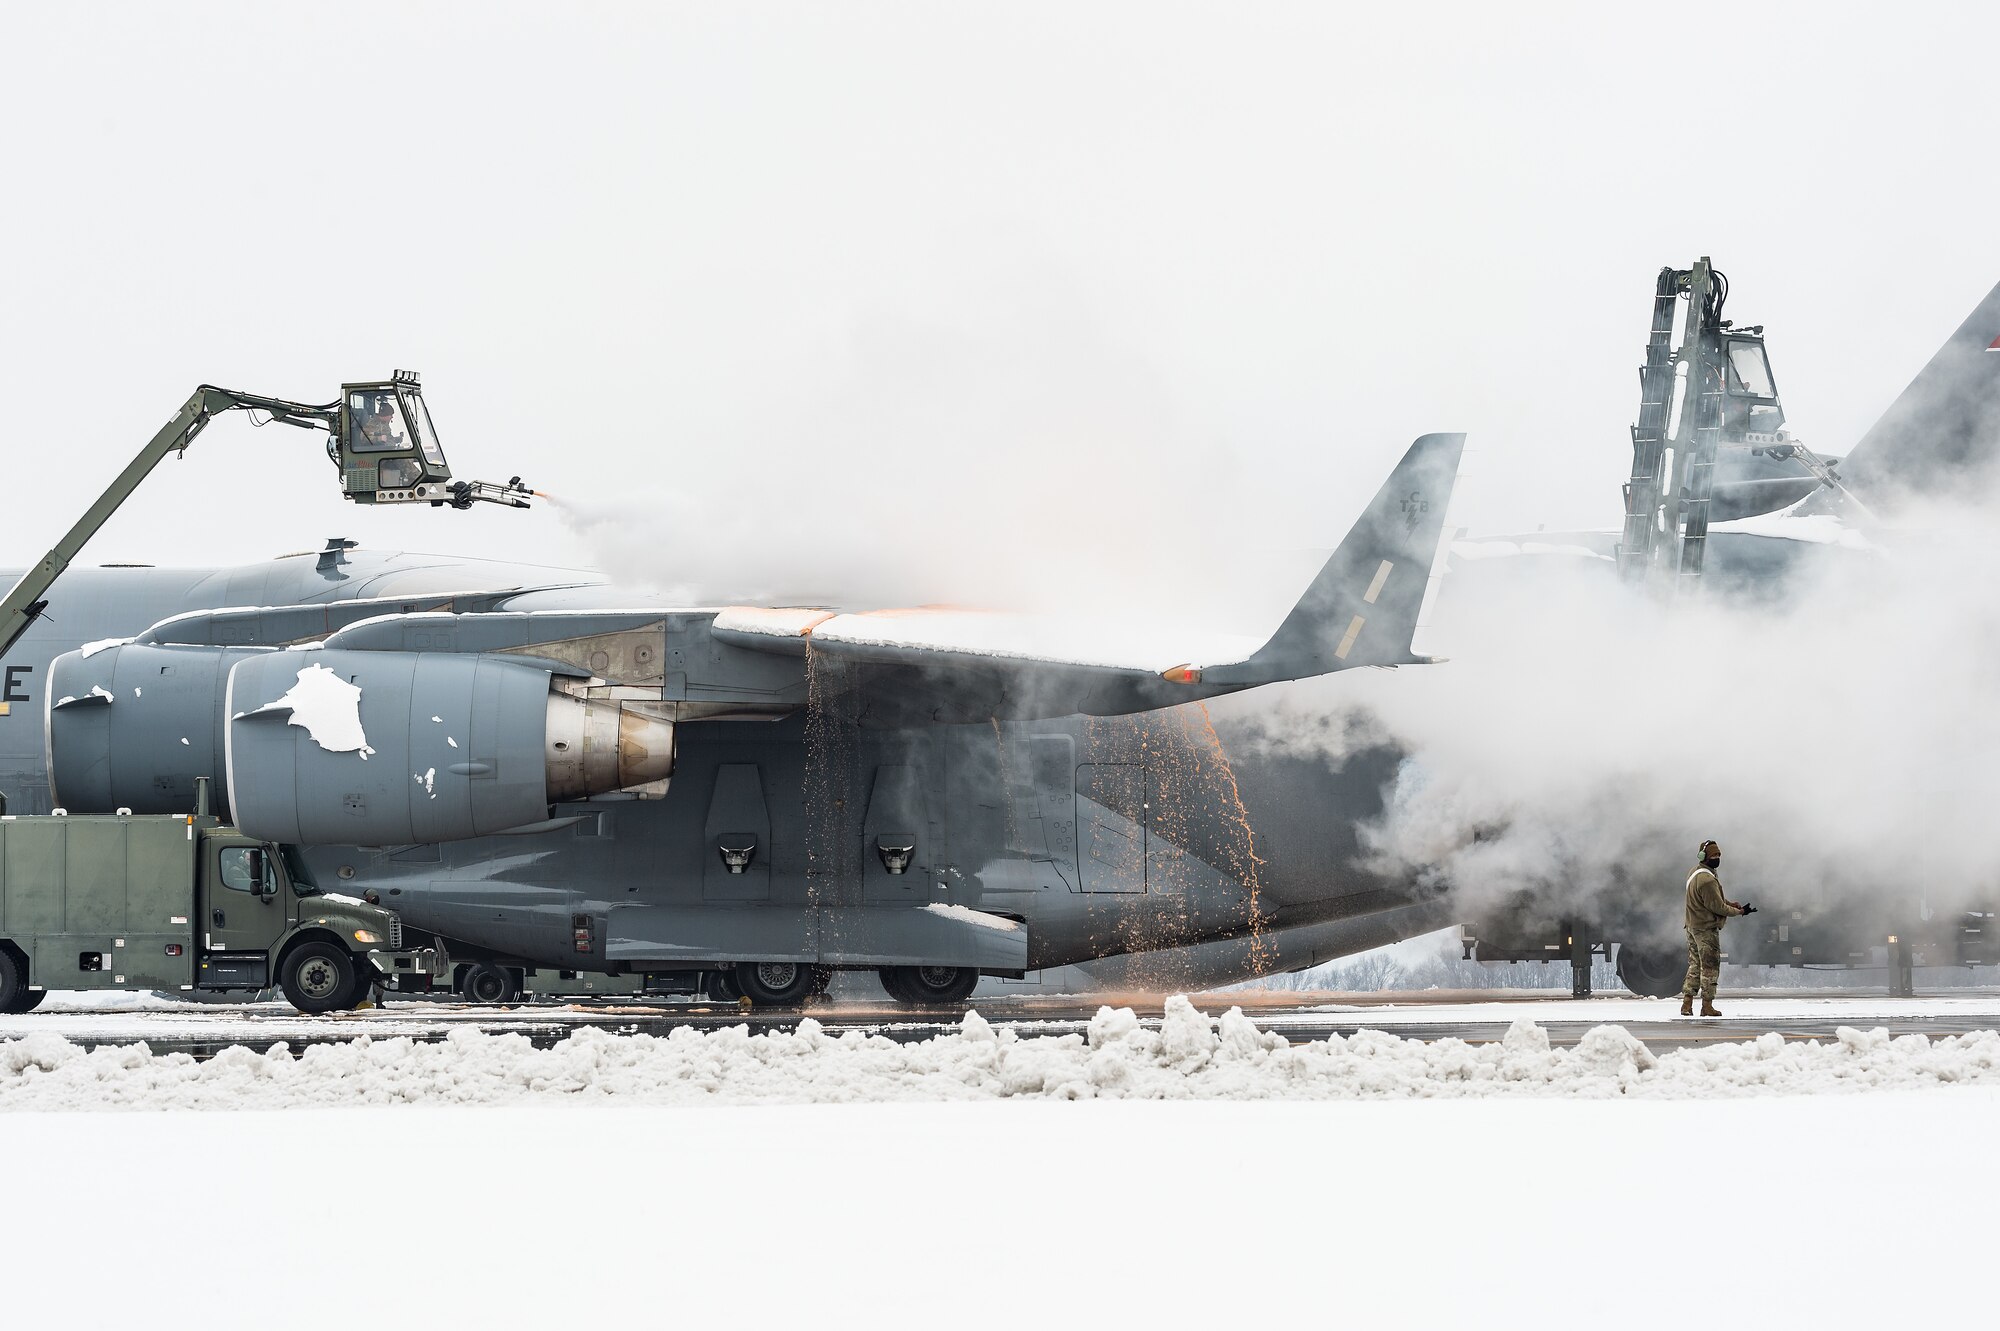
930	984
722	987
318	977
774	983
15	995
488	983
1655	972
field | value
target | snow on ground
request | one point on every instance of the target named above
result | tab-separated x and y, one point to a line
1188	1057
1859	1210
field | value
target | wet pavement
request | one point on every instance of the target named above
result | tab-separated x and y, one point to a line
203	1030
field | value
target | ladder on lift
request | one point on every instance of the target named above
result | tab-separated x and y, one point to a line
1666	502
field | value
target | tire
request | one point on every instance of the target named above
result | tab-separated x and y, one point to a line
317	977
1653	972
775	983
722	987
488	983
15	995
930	985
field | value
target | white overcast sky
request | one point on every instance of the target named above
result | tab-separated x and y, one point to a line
1045	285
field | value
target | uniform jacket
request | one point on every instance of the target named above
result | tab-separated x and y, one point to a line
1707	908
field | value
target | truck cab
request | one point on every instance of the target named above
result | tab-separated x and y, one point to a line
181	903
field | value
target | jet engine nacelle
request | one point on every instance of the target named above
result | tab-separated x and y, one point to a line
132	726
336	747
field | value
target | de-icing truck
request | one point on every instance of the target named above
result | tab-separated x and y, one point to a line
182	903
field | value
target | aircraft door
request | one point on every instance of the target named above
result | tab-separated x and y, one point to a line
1111	827
242	909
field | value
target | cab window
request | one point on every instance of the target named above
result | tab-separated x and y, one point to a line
1750	369
233	862
375	422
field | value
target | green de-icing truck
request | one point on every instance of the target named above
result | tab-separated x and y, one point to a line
179	902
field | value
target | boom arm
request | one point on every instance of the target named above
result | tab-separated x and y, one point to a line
25	603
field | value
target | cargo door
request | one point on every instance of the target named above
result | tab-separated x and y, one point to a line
238	912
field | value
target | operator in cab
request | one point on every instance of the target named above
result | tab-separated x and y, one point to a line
378	424
1707	908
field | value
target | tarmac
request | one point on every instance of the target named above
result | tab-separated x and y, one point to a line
203	1030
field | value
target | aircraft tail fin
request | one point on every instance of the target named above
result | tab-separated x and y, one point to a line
1946	423
1362	608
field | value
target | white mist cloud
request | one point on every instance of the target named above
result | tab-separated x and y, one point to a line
1022	456
1838	738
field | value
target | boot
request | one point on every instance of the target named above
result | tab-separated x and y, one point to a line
1708	1008
1687	1005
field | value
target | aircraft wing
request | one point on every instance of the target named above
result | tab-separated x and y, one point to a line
1361	609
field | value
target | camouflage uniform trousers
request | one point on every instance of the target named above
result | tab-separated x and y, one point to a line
1704	963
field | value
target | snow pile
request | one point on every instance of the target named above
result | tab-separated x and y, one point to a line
1189	1057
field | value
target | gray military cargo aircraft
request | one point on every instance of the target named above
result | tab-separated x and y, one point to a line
544	771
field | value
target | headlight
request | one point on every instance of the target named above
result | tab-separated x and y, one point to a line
367	936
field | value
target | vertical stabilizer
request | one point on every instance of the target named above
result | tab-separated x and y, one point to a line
1362	608
1945	424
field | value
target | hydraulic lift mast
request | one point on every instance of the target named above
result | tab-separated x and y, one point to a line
381	439
1710	437
1666	500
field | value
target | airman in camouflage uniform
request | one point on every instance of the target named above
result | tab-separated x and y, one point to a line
1707	908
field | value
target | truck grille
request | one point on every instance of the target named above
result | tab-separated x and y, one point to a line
395	933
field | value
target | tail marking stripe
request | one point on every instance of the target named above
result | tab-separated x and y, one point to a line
1381	576
1347	639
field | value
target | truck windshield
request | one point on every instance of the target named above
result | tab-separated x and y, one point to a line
295	869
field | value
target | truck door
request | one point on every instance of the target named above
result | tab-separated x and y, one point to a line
240	911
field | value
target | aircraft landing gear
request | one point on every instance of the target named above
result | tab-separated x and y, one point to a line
485	982
924	985
1656	973
775	983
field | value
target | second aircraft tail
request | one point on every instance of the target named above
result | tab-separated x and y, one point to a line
1946	423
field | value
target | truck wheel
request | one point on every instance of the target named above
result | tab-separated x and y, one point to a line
318	977
774	983
931	984
15	995
488	983
722	987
